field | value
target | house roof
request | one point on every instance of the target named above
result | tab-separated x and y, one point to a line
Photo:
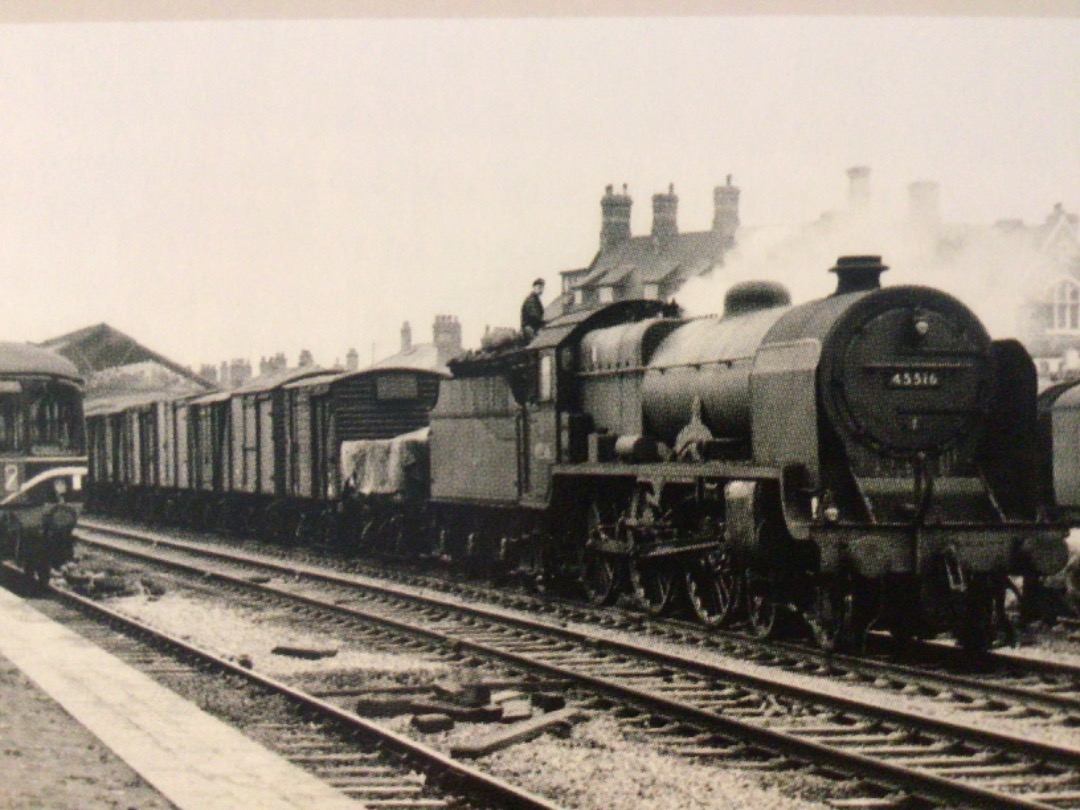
651	260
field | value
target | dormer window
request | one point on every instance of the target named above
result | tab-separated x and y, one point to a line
1067	307
579	297
606	294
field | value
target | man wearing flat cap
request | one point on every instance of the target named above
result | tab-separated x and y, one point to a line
532	311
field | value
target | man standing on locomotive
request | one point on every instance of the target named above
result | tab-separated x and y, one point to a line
532	311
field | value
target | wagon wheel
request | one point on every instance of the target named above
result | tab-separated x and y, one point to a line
601	573
713	587
37	573
979	616
305	532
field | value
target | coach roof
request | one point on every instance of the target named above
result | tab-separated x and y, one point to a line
25	358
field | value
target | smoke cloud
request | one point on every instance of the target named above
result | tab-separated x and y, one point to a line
993	270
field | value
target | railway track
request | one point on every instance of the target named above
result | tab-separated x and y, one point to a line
370	763
697	707
999	685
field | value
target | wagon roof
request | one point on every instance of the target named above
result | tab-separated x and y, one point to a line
335	377
209	399
277	379
123	402
24	358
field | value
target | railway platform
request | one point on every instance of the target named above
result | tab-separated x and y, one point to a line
186	758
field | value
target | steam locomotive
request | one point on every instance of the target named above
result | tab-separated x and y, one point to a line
867	459
43	455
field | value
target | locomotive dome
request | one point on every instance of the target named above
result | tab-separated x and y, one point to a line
748	296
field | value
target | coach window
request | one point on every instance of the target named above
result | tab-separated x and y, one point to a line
55	420
1067	307
11	417
547	377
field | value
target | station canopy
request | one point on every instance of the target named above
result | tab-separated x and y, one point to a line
111	362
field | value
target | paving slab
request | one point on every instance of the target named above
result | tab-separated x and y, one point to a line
192	758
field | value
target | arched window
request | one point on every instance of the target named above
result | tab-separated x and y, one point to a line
1067	307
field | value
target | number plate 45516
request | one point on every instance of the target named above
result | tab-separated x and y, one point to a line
914	379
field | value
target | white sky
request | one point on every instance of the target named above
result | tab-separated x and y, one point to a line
233	188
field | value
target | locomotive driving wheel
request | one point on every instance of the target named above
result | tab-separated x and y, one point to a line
601	572
761	607
655	585
655	581
713	587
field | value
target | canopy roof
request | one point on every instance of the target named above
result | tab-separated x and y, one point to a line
101	347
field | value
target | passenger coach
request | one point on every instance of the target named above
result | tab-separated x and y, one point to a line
43	453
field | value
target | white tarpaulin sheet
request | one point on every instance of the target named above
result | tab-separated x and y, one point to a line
384	466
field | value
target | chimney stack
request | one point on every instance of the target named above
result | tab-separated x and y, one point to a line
615	226
352	360
406	337
726	212
859	188
665	209
239	372
923	204
447	336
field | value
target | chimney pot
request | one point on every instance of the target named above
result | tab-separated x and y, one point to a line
615	217
665	214
726	211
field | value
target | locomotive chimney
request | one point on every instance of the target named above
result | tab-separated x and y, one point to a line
665	208
858	274
615	226
859	188
726	211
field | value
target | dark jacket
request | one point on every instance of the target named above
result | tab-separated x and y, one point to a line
532	315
